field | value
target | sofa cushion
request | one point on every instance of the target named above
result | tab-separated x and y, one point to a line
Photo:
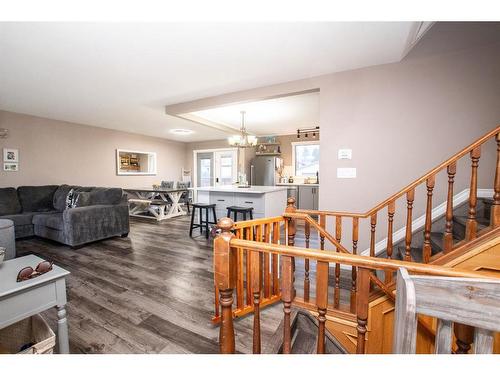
59	200
61	194
83	199
36	198
105	196
53	220
25	218
20	219
9	202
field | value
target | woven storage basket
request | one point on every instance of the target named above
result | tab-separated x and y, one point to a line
30	330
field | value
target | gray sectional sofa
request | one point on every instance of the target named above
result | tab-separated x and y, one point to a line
42	211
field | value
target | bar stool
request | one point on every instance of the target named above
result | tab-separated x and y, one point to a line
235	210
202	223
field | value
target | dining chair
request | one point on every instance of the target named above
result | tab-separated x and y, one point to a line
167	184
186	197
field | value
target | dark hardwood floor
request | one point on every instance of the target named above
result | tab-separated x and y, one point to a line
152	292
149	293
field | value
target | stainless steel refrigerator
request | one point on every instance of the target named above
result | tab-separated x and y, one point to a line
263	170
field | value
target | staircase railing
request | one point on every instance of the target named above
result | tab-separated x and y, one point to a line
283	229
268	230
474	150
226	247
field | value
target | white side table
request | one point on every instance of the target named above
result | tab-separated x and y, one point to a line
20	300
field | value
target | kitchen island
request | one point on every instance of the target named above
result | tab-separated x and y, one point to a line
266	201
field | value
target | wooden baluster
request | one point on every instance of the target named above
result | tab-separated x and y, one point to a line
355	234
427	250
373	224
307	231
249	236
338	237
495	207
267	275
391	208
258	238
240	273
225	280
322	224
362	307
448	232
290	208
256	282
410	196
291	229
471	225
287	296
321	302
275	240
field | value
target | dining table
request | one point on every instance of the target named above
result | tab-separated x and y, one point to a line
155	203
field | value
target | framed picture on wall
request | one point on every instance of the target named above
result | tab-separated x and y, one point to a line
10	155
11	167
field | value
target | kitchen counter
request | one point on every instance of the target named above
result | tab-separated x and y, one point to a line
266	201
296	184
235	189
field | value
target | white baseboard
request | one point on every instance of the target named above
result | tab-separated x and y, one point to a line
437	212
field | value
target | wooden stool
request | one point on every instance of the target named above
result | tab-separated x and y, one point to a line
235	210
202	223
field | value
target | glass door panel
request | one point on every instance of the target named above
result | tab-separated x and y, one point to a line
205	167
226	167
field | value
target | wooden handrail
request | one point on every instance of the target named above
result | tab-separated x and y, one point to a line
412	185
254	222
357	260
322	231
227	246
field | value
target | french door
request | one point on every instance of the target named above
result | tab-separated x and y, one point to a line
216	167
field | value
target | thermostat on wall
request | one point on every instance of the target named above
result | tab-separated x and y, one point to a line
345	153
346	172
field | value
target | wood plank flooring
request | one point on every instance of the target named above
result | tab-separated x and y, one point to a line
149	293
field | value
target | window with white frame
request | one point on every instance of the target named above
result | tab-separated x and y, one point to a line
305	158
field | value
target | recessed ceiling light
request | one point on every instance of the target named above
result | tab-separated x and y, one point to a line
181	131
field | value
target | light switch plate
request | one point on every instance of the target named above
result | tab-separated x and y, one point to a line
346	172
345	153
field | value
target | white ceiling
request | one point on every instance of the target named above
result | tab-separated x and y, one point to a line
269	117
121	75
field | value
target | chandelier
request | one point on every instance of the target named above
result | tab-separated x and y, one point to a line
242	140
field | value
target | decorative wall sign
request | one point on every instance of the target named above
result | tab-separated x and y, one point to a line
11	167
10	155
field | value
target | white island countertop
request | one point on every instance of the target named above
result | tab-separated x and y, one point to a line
236	189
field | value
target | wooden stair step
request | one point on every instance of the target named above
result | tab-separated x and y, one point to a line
416	253
487	203
304	336
460	222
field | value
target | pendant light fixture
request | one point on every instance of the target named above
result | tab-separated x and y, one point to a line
242	140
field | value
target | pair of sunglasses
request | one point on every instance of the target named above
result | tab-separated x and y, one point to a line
29	273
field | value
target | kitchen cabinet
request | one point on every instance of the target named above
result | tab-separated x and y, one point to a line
308	197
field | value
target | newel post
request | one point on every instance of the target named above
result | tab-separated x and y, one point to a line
290	208
225	281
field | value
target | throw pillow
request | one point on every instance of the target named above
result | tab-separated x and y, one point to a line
82	199
69	198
